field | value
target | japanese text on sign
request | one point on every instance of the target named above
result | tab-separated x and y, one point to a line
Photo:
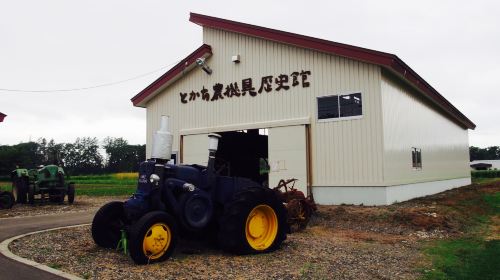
266	84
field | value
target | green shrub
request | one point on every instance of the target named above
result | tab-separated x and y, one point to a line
485	174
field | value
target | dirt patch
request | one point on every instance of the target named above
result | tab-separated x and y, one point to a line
494	230
82	203
442	215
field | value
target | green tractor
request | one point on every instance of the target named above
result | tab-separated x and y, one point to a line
46	181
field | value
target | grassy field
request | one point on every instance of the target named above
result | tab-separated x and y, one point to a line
99	185
5	186
106	185
476	254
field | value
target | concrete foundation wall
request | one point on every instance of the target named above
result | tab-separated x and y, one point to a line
383	195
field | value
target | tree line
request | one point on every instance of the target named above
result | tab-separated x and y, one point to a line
490	153
84	156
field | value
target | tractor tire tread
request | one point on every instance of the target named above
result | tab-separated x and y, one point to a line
7	200
232	237
71	193
31	194
22	189
103	233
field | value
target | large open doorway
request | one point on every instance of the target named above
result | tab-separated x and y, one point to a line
263	155
244	153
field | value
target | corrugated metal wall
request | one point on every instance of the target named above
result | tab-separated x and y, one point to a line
343	153
409	122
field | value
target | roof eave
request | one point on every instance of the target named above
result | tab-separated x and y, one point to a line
172	75
405	73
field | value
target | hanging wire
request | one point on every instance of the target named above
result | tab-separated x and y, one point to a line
7	90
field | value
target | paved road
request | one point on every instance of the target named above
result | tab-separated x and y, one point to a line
10	227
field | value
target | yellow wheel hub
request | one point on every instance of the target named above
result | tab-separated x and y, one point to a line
156	241
261	227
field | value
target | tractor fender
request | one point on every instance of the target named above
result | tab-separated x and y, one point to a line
60	170
18	173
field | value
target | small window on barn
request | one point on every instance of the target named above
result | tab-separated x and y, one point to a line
328	107
350	105
416	157
339	106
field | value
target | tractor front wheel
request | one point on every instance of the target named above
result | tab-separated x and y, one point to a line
253	222
107	224
153	238
6	200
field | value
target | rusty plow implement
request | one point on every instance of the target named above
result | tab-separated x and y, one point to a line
300	208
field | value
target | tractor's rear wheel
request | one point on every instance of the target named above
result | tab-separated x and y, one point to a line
153	238
20	190
6	200
71	193
31	194
107	224
253	222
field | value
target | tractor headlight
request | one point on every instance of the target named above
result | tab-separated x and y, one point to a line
154	178
188	187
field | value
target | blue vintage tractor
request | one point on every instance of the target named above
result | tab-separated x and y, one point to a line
245	216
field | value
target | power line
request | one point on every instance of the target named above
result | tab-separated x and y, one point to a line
88	87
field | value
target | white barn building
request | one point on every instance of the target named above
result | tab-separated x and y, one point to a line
353	125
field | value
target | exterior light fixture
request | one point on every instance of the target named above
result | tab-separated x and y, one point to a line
201	63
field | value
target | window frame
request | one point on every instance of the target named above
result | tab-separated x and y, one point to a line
415	164
338	108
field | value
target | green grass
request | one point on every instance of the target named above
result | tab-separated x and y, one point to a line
114	182
5	186
470	257
484	180
107	179
55	265
105	185
105	190
485	173
99	185
493	201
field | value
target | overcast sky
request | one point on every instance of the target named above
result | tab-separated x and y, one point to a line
48	45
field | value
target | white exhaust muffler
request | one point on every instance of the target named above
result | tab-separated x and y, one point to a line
162	141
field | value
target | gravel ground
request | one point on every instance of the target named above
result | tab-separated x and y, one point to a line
341	242
319	252
81	204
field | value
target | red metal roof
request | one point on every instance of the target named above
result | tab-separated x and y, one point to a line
387	61
2	116
173	74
